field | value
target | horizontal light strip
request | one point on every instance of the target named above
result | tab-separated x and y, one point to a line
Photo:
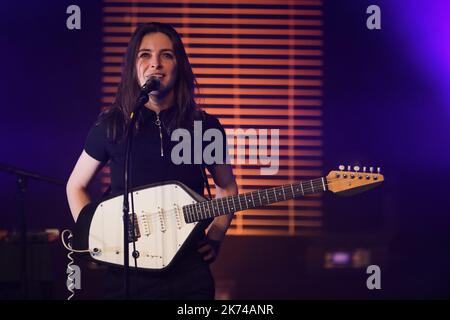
267	112
230	61
284	172
221	51
284	223
224	41
237	71
243	91
208	20
274	213
262	101
227	2
309	232
187	10
236	81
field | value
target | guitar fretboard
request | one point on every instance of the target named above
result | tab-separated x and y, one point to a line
259	198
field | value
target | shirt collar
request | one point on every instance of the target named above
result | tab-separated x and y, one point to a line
149	113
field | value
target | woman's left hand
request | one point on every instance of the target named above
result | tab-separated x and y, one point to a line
209	249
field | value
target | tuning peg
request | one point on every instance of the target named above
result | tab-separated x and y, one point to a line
356	168
378	170
364	169
341	167
349	168
371	169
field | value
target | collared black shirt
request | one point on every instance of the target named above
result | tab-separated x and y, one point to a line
147	164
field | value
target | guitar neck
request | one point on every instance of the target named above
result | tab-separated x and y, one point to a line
259	198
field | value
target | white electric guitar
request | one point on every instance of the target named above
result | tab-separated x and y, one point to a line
169	214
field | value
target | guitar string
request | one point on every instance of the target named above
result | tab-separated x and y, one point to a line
319	184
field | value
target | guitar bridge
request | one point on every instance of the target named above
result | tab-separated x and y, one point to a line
133	233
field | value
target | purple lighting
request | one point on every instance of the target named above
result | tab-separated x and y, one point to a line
424	27
341	257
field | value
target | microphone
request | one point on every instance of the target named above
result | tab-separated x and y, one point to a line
152	84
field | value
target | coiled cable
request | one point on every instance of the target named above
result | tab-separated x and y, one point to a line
71	274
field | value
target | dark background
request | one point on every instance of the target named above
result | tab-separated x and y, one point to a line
382	107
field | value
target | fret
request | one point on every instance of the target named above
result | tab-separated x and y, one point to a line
233	207
186	213
267	195
201	205
183	209
234	202
239	201
216	206
220	200
205	209
312	186
200	208
279	193
189	215
210	209
260	201
218	209
284	195
229	210
275	193
301	185
245	197
253	200
293	193
214	211
228	206
323	183
196	212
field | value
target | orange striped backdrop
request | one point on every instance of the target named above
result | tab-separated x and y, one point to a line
259	65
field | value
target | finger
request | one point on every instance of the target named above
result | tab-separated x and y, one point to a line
208	257
205	248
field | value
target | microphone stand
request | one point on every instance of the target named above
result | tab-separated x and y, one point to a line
22	183
127	233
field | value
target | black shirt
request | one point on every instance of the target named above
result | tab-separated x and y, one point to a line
147	164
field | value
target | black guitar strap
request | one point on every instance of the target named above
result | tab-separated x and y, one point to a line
205	180
202	166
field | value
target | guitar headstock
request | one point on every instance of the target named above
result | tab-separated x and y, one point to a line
352	182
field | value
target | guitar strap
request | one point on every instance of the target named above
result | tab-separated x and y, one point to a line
205	180
202	166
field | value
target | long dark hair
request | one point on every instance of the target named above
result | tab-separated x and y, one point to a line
129	89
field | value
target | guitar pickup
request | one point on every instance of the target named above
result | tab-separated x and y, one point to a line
161	219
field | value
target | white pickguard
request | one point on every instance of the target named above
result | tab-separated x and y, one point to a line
162	227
